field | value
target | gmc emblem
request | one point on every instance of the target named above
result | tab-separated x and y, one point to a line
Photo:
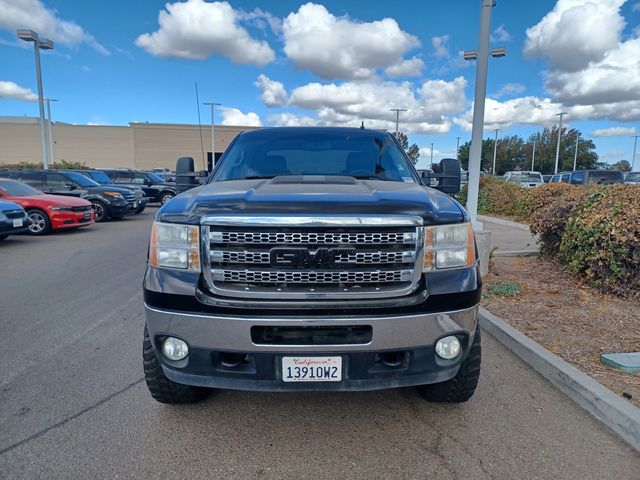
305	258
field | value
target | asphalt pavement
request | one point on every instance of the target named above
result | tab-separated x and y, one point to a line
73	403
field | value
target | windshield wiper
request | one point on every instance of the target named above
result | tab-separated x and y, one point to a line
372	177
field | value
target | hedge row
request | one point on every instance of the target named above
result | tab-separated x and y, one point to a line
593	230
62	164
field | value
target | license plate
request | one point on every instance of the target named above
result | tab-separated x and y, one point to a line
17	222
311	369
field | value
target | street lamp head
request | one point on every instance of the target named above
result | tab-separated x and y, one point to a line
45	44
470	55
498	52
27	35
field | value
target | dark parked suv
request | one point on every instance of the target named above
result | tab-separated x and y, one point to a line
107	202
103	179
153	185
598	177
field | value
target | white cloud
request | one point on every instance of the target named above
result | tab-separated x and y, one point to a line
509	89
614	132
291	120
33	15
338	47
500	34
615	78
428	107
196	30
575	33
233	116
14	91
273	93
410	67
440	46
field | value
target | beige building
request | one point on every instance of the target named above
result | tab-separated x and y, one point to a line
138	145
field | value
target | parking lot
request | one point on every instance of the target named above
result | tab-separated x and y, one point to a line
73	403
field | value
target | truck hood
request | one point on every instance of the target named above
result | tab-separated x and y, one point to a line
313	195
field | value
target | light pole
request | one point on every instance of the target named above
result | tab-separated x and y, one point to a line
633	159
44	44
495	151
52	156
533	156
397	110
213	133
457	148
561	114
482	56
575	153
431	155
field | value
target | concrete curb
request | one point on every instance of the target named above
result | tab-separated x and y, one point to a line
515	253
501	221
619	415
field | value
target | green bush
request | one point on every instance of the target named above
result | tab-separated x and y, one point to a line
601	239
61	164
498	197
550	209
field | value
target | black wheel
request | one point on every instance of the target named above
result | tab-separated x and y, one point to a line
165	197
2	237
161	388
100	211
461	387
140	209
40	223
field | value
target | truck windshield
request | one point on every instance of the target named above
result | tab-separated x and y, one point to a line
155	178
525	177
374	156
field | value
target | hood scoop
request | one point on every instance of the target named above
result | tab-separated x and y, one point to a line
314	180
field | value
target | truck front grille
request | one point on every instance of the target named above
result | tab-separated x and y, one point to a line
319	257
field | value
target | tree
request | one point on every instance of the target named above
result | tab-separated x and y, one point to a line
546	151
513	153
413	151
622	165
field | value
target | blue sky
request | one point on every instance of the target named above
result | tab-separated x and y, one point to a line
117	63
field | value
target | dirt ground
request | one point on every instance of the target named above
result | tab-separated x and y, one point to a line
572	320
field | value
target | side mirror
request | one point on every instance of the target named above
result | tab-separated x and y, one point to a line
71	186
186	176
451	176
147	182
448	178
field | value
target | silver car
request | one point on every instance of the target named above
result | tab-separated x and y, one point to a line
525	179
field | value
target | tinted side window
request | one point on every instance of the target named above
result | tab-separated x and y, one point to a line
577	178
565	178
57	180
120	177
35	179
139	178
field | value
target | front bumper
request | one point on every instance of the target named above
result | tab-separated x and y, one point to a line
7	228
62	219
121	209
210	336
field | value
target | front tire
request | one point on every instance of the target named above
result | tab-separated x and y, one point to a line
461	387
2	237
100	211
139	210
161	388
165	197
40	222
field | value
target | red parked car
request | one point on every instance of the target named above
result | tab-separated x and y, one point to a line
47	212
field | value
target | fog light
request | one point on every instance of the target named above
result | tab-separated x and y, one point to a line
175	349
448	347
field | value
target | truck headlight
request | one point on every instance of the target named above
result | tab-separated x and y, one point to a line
175	246
448	246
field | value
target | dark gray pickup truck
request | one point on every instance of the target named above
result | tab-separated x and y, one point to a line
313	259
